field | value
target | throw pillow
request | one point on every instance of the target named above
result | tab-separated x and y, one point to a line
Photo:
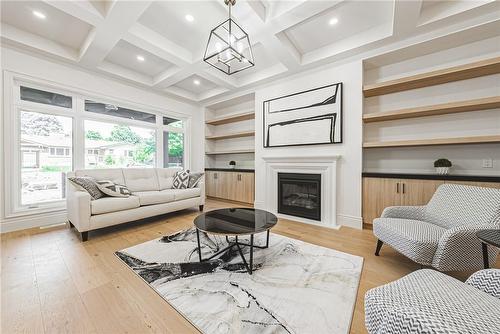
194	178
87	183
113	189
181	180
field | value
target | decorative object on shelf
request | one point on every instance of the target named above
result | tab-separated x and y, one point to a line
228	48
311	117
232	163
442	166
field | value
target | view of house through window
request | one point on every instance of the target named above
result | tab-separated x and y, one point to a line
46	155
109	145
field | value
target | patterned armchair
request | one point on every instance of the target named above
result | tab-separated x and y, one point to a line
430	302
441	234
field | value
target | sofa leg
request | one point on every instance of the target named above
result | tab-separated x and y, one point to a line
201	207
379	245
84	236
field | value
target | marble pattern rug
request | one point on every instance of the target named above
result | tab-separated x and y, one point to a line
296	287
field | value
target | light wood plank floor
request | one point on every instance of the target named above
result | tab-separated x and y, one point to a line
53	283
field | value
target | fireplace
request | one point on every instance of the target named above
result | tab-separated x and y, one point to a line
300	195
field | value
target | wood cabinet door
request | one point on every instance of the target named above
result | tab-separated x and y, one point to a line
478	184
211	183
225	185
244	190
418	192
379	193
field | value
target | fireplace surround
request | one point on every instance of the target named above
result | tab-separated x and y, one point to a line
299	195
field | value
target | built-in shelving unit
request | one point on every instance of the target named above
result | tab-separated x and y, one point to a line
462	72
232	118
230	132
232	135
435	141
433	110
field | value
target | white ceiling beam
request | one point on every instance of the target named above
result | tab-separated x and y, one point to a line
82	10
207	72
281	47
168	78
258	7
125	73
121	16
405	17
156	44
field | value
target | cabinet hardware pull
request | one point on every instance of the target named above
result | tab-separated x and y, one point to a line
403	188
215	176
397	188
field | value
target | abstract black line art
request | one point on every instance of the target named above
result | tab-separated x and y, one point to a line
311	117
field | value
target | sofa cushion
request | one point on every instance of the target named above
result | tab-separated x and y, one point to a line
180	194
415	239
112	189
113	204
194	179
141	179
166	177
88	184
155	196
112	174
181	180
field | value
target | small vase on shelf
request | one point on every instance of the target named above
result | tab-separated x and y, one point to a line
232	164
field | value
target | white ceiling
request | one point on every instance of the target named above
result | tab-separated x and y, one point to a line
287	36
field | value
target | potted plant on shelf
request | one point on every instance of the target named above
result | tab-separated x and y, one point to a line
232	163
442	166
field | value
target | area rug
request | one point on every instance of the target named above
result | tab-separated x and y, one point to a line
296	287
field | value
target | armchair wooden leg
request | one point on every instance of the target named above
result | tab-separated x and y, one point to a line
71	224
201	207
84	236
379	245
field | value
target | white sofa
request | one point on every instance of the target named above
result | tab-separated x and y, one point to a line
152	195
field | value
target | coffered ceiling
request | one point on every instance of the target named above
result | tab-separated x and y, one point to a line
160	44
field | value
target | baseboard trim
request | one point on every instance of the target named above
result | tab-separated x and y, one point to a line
36	220
350	221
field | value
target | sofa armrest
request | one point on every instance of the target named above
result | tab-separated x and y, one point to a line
201	185
487	280
404	212
78	207
460	249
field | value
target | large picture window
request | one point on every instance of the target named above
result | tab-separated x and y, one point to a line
110	145
46	147
54	132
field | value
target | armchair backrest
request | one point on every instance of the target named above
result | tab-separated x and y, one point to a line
456	205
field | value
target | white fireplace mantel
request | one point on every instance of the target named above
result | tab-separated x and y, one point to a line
326	165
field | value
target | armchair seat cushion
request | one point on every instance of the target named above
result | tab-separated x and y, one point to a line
427	301
113	204
415	239
155	196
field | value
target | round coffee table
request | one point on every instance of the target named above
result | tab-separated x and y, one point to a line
235	222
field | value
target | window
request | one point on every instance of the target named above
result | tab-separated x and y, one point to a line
113	110
117	145
43	172
173	149
40	96
172	122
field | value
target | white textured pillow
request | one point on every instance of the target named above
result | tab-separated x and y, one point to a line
181	180
112	189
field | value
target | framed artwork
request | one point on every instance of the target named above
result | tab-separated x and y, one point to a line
311	117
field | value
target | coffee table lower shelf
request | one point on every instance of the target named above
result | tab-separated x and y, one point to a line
231	244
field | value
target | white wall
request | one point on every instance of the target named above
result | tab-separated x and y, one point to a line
349	171
79	79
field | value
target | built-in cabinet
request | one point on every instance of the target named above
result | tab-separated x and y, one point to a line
233	186
379	193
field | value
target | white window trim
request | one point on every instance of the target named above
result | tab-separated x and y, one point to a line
11	126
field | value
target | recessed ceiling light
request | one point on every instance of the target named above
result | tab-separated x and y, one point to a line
189	18
333	21
196	82
140	58
40	15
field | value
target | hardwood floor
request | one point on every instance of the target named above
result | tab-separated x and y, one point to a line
53	283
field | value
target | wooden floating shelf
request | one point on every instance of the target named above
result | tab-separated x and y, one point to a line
231	119
231	152
438	109
436	141
232	135
456	73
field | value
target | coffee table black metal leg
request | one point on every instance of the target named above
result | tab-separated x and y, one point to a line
485	255
251	254
198	239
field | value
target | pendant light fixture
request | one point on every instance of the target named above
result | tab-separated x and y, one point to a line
228	48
